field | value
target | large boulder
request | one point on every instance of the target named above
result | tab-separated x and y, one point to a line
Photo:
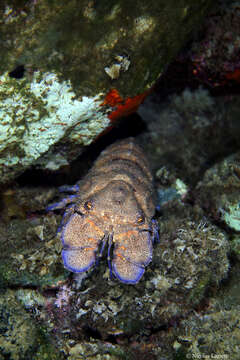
69	69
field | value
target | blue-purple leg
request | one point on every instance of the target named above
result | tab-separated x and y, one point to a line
103	245
110	241
155	233
69	188
61	204
104	240
69	211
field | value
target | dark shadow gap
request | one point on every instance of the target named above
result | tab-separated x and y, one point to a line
18	72
129	126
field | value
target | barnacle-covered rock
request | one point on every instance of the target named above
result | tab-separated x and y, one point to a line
235	245
219	194
26	259
35	115
68	70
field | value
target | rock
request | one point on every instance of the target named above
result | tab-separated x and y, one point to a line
219	192
68	71
235	245
20	336
30	250
215	56
191	256
219	195
82	308
96	350
187	132
213	331
16	325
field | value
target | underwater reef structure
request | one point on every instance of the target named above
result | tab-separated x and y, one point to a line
215	331
69	70
191	256
89	314
219	192
114	203
20	337
175	124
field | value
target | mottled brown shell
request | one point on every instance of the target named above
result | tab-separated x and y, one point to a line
114	202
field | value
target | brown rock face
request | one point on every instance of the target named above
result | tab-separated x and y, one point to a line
96	46
69	69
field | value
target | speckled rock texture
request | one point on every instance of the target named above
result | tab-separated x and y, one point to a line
30	249
71	56
215	330
37	114
219	192
20	337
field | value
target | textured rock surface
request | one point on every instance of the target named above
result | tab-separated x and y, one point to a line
30	251
215	331
175	124
16	325
89	307
219	192
90	315
73	55
20	338
36	115
215	57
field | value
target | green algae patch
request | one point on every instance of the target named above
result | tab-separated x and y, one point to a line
197	294
11	276
46	350
16	325
232	217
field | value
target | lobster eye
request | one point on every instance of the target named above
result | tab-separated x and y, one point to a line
88	205
140	219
